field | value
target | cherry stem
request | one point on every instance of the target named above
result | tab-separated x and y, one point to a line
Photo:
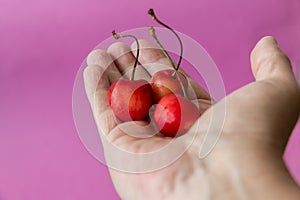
153	34
118	36
151	12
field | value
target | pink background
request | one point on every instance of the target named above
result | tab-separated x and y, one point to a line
42	44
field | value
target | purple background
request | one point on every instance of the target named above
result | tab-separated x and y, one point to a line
42	44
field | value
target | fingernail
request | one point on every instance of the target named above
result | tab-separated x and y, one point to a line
271	38
276	42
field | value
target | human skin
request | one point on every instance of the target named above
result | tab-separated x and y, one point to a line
246	162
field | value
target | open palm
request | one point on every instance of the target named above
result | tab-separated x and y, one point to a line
247	160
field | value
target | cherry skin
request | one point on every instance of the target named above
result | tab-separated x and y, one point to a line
130	100
164	83
174	115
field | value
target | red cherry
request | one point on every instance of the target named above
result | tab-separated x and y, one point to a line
174	115
130	99
163	82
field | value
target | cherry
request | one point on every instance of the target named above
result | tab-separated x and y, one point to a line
163	82
174	115
130	99
167	81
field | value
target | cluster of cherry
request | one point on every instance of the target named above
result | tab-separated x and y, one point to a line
131	100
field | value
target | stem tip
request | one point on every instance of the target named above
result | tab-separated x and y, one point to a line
115	35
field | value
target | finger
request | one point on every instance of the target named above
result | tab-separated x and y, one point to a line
95	80
96	83
268	61
103	60
203	104
195	91
151	56
271	65
269	107
153	59
124	60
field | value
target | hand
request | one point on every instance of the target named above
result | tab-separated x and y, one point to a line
246	163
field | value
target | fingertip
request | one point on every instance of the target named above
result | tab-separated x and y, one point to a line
267	60
118	48
121	54
103	60
265	43
99	57
143	44
268	40
149	52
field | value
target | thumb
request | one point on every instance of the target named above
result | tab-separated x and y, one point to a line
270	65
276	88
269	62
